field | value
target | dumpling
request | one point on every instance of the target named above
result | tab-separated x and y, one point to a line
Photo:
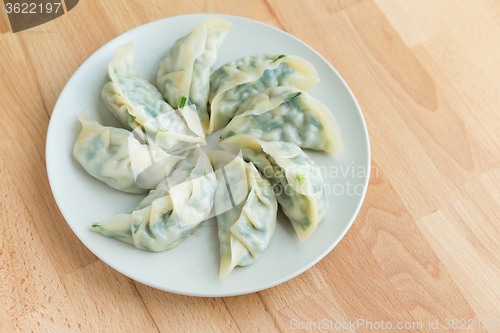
236	81
114	155
154	224
297	180
173	170
184	75
177	174
136	102
191	190
287	114
247	226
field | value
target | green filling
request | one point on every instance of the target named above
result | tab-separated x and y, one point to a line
183	102
305	225
299	177
292	97
279	57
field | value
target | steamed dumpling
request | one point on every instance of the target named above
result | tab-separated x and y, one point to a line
184	75
155	224
114	155
247	226
287	114
297	180
235	82
172	176
136	102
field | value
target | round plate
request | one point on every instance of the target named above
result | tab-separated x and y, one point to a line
192	268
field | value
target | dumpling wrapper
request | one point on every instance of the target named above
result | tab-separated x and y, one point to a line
290	115
297	180
178	173
184	76
191	197
247	226
236	81
137	103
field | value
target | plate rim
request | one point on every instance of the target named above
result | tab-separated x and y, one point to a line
50	175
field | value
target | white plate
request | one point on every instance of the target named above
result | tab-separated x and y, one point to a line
192	268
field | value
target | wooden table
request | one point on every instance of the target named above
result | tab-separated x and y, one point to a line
426	244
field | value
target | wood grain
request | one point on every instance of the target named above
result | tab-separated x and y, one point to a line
103	298
23	147
186	314
425	245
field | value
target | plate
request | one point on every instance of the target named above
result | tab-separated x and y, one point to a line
192	268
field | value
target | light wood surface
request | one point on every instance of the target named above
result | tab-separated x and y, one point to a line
426	244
